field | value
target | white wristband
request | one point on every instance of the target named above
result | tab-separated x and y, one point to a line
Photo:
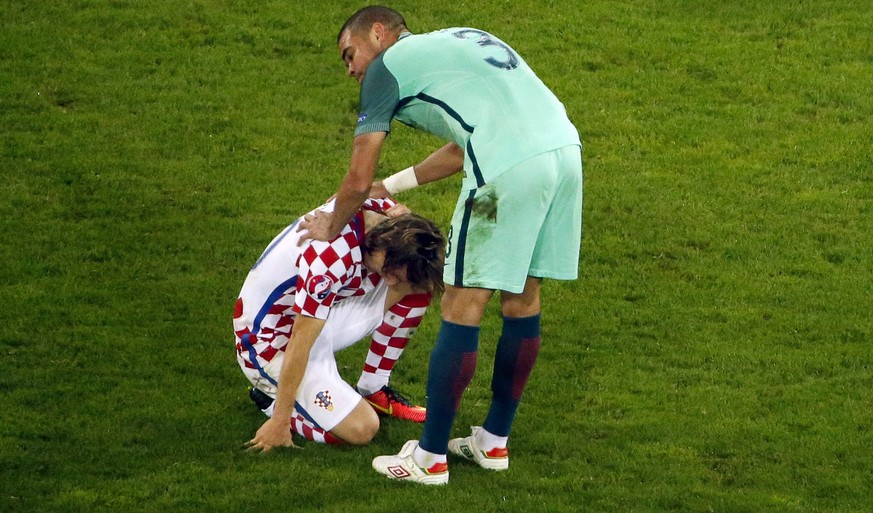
401	181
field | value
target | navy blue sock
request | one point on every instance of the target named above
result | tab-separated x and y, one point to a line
516	354
452	365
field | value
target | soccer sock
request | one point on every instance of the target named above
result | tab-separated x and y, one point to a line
427	459
310	431
516	354
390	339
452	365
487	441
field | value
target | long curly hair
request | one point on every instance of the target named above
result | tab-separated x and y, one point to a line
412	242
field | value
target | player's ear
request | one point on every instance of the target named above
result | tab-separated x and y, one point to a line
377	32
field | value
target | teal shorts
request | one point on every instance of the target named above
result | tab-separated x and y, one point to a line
526	222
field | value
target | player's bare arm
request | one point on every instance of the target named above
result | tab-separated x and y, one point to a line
440	164
276	432
354	189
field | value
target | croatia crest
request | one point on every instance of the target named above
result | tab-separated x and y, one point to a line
322	399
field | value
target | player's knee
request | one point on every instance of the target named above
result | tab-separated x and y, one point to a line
525	304
360	426
465	305
520	309
363	431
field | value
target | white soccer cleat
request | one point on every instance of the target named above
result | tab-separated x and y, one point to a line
495	459
402	466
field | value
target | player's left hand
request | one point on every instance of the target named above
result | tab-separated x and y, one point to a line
273	433
398	210
317	226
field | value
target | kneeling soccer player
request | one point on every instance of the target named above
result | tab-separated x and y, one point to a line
302	302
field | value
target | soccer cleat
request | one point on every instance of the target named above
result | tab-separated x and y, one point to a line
261	400
388	401
495	459
402	467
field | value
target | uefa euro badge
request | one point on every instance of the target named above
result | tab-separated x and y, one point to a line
319	286
323	399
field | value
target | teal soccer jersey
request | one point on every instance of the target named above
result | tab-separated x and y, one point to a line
469	87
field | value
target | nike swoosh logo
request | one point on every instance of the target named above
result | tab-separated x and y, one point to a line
387	411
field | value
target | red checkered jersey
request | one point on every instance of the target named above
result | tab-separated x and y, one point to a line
289	279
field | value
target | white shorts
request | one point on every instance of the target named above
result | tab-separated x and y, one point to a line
324	397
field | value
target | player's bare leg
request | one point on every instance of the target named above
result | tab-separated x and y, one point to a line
464	305
525	304
359	427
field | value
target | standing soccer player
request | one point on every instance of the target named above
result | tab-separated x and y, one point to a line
518	218
303	301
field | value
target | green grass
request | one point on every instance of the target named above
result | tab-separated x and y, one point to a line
715	354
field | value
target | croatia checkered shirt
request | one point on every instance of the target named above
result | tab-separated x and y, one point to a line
289	279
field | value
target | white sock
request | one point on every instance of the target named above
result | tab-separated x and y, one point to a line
487	441
427	459
370	383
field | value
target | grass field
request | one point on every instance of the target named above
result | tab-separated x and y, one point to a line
715	354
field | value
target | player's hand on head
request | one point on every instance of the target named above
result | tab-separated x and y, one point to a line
273	433
378	190
398	210
316	226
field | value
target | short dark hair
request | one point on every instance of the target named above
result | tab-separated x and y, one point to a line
413	242
364	19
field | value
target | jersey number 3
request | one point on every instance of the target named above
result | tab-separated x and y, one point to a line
485	40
